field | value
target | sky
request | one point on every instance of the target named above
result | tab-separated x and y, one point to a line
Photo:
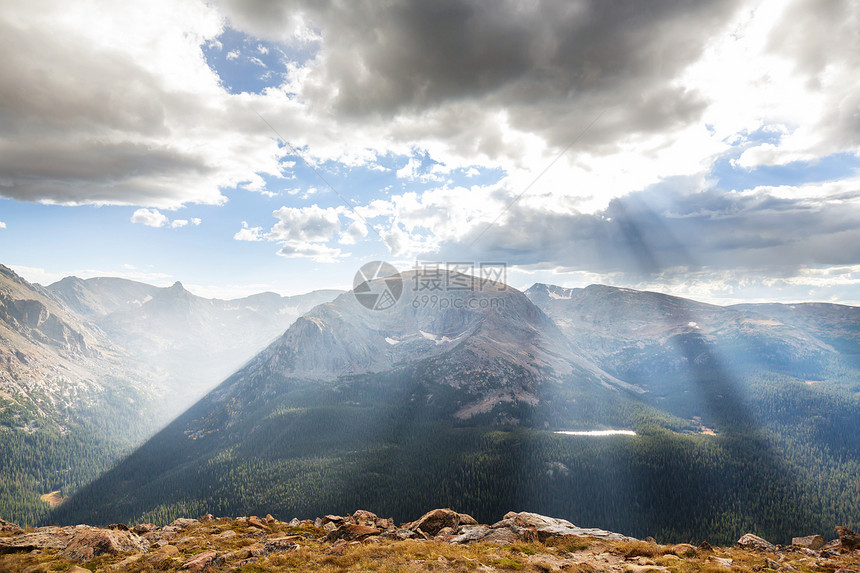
708	149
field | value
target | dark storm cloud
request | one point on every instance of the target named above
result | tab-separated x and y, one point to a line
662	230
551	65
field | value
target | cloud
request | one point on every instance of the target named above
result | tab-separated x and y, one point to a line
2	225
113	104
155	218
247	233
302	232
670	230
315	251
149	217
313	224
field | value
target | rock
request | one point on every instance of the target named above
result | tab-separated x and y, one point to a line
548	527
332	519
88	543
364	517
755	543
281	544
352	532
771	564
270	519
229	534
42	538
434	521
809	542
183	523
142	528
723	561
337	549
705	546
650	539
471	533
509	535
684	550
257	522
294	522
200	561
848	538
118	526
207	518
9	527
163	554
76	569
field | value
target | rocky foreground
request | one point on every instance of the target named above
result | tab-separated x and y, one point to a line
441	540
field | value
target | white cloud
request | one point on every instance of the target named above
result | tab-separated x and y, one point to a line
313	224
177	223
196	221
247	233
128	112
233	55
316	251
2	225
149	217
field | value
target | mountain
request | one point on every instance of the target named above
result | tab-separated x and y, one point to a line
742	421
372	400
90	368
188	342
67	397
675	347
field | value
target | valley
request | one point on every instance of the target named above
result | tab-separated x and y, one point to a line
631	411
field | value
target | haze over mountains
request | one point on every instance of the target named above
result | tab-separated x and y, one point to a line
91	367
455	405
747	413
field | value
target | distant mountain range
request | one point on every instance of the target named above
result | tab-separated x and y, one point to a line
457	405
88	368
747	414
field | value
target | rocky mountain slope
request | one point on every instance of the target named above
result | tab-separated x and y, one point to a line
440	540
88	369
54	365
190	342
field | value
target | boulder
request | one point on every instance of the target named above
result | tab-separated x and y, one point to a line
76	569
352	532
8	527
257	522
89	542
42	538
281	544
434	521
183	523
471	533
848	538
512	534
199	562
364	517
755	543
809	542
549	527
142	528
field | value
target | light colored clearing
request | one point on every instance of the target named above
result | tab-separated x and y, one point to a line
596	433
53	499
555	295
811	382
708	431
